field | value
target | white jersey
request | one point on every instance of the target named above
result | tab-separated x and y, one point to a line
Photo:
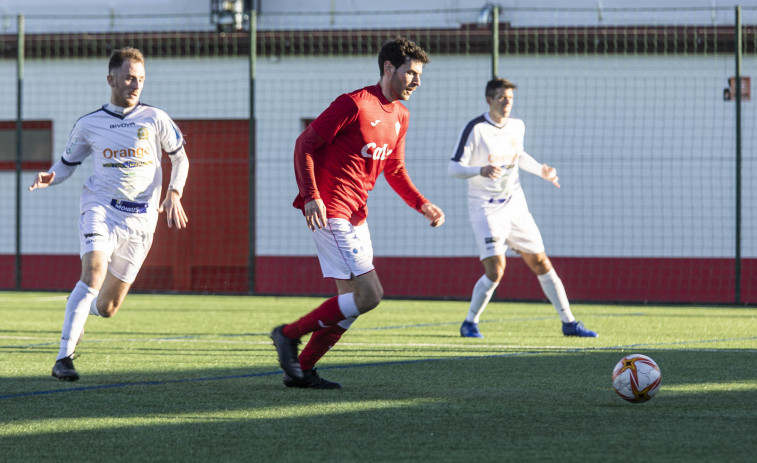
126	152
482	143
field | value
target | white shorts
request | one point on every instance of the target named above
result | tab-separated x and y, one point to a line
125	248
344	250
498	225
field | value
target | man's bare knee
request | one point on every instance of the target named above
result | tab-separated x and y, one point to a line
107	309
112	295
369	300
494	268
108	303
495	275
539	263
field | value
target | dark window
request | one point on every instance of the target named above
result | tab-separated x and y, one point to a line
37	145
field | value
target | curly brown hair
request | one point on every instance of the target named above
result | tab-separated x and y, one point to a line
399	51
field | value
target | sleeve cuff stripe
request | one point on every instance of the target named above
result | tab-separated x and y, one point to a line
63	160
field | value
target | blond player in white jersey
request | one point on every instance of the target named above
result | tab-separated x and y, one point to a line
120	202
489	154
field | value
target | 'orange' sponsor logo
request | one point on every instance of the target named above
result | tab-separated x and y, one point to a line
126	153
502	160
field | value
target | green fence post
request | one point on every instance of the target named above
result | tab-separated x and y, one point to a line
737	50
495	42
251	164
19	141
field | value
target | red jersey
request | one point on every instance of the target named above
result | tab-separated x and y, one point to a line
364	135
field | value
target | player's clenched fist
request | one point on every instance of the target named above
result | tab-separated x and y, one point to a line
43	180
433	213
549	174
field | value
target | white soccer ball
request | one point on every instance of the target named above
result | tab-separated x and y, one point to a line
636	378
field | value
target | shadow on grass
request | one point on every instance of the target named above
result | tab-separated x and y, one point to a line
546	406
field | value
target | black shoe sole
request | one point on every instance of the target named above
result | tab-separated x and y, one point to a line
321	384
324	385
70	378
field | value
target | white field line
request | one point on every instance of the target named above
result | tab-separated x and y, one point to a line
49	298
472	347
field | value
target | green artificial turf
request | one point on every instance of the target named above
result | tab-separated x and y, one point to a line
195	378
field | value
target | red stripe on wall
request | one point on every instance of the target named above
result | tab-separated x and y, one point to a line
41	272
749	281
7	271
619	279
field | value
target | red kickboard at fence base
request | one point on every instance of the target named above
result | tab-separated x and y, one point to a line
621	279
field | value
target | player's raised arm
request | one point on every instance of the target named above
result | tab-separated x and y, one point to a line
532	166
59	172
77	149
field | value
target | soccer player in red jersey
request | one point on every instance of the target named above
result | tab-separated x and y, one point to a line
337	160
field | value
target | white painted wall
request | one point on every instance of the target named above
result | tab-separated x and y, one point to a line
643	145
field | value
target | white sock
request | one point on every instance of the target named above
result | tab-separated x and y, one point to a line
77	310
93	308
553	288
347	305
347	322
482	293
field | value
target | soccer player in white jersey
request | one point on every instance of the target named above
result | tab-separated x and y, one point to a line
489	154
120	202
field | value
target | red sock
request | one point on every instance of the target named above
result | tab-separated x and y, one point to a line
320	343
324	316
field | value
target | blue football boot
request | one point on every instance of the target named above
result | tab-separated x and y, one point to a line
470	330
577	328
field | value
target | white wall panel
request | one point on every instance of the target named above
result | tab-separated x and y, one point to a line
644	147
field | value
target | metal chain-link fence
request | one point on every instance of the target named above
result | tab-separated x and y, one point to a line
637	114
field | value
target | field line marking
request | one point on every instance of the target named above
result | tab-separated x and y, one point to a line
198	339
232	335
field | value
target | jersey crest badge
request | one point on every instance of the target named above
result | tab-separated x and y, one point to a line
142	133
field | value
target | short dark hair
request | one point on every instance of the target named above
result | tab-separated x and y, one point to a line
120	55
399	51
495	84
